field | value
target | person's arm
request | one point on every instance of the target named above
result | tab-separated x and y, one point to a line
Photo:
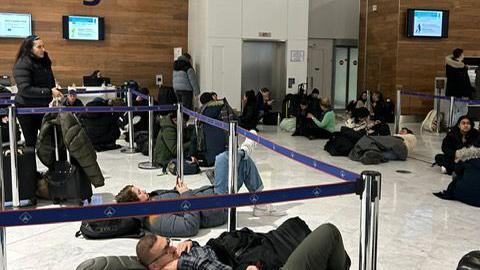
325	121
201	258
192	78
170	138
23	77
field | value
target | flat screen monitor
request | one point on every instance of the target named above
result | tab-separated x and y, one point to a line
425	23
15	25
83	28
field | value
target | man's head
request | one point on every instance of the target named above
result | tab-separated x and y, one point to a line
155	252
132	193
315	93
405	131
206	97
72	97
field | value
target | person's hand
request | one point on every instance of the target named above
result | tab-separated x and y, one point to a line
56	93
184	246
270	102
377	122
310	116
181	187
193	160
457	159
252	267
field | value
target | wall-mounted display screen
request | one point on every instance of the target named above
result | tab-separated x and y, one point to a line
15	25
427	23
83	28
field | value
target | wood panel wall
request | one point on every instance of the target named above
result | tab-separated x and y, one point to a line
139	38
415	62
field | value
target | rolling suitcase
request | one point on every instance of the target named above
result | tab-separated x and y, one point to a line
66	180
27	169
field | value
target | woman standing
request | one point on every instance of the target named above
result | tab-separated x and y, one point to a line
185	81
36	84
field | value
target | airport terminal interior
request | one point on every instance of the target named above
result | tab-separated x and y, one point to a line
354	86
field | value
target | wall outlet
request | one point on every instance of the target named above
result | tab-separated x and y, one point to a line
159	79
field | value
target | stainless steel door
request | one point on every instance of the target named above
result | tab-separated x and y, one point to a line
263	65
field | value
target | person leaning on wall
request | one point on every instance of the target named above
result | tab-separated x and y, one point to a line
36	84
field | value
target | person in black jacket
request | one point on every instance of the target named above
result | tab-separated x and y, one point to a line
379	116
458	82
36	84
462	135
250	113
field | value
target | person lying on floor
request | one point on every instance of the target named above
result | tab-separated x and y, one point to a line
380	149
292	246
465	186
463	134
188	224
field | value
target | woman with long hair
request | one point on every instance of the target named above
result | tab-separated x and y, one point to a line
36	84
250	113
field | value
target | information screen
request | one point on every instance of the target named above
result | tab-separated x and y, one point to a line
428	23
15	25
83	28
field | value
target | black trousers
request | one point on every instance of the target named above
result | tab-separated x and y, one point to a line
31	124
186	98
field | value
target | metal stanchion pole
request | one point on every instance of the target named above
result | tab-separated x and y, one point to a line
369	220
179	142
450	112
130	149
148	165
3	233
437	108
12	131
369	101
232	172
398	111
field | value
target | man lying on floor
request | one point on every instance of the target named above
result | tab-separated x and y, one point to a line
292	246
188	224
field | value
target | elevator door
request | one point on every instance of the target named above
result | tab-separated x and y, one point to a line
346	70
263	65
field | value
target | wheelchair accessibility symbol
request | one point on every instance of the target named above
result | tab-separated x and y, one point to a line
109	212
317	192
25	217
254	198
186	205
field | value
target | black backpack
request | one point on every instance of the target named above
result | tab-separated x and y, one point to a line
113	228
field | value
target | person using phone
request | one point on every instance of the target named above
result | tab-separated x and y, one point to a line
36	84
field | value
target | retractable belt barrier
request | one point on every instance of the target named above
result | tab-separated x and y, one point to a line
7	102
79	92
299	157
430	96
68	214
143	96
87	109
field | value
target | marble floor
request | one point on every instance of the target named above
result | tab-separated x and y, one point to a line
416	230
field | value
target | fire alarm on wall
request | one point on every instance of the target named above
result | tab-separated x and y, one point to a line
159	79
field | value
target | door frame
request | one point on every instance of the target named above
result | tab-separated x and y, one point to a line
334	63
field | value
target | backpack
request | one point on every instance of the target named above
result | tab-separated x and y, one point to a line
113	228
430	122
188	168
226	113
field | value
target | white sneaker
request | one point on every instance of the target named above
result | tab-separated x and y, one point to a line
444	170
248	145
267	210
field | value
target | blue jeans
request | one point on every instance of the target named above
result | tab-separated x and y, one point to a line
247	173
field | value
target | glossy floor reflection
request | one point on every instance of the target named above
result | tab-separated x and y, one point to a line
416	230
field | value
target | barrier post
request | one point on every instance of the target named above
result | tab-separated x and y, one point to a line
450	112
369	103
148	165
12	131
130	149
232	172
398	112
3	234
369	219
179	142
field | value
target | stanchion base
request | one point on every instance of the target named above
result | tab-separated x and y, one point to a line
128	150
147	165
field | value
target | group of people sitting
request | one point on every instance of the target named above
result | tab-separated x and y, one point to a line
257	108
460	158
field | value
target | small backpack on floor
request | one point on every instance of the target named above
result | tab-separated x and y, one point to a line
430	122
113	228
188	168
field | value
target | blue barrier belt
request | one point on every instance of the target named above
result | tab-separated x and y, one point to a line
23	217
430	96
6	95
6	101
316	164
87	109
143	96
79	92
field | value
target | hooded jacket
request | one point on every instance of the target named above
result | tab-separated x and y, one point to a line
74	138
184	77
369	149
166	144
458	82
34	78
467	186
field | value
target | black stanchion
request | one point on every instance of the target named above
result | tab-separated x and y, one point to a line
12	130
179	142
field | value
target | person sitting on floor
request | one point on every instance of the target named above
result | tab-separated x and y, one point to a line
292	246
463	134
379	116
313	101
359	120
324	127
71	100
379	149
465	186
250	112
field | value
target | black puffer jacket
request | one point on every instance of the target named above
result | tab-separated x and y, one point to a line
74	139
458	82
102	128
34	78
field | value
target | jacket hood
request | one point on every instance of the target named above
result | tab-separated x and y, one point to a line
181	64
468	153
449	61
166	121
